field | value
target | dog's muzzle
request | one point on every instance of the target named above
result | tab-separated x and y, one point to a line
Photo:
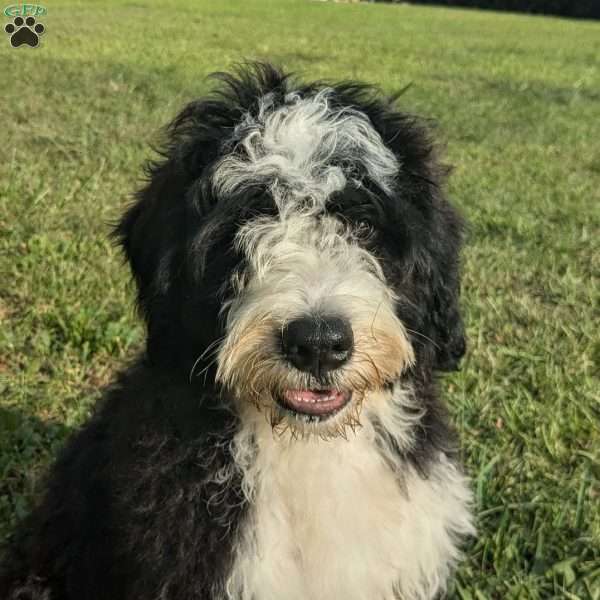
317	345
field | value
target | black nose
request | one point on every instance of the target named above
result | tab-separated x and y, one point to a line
318	344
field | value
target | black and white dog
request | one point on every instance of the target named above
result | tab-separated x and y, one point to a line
283	437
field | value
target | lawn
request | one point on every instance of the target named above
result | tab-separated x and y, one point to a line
517	103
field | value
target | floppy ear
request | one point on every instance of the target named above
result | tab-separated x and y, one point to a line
447	329
153	234
429	281
156	234
169	205
435	230
144	232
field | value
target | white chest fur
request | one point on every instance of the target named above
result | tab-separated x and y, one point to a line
331	521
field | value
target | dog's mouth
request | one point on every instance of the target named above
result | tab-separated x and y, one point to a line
315	403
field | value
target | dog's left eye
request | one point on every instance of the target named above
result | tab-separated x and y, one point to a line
357	208
364	224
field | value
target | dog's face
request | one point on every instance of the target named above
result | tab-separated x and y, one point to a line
295	247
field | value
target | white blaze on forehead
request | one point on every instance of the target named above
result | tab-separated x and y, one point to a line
305	149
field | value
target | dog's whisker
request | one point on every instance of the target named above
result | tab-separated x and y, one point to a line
422	335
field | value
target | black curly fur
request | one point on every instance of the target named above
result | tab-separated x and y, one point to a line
132	510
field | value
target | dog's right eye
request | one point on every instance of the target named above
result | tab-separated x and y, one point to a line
361	217
358	207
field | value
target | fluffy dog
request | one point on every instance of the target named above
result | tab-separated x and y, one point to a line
282	437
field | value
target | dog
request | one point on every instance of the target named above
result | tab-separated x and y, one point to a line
282	436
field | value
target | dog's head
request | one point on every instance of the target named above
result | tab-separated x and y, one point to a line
295	245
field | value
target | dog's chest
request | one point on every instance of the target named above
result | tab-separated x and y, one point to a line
330	520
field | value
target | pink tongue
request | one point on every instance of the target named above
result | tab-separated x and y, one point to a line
315	402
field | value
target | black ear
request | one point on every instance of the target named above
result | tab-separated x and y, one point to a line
144	232
429	283
430	231
447	329
168	207
153	234
429	287
156	232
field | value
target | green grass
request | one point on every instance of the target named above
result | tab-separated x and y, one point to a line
517	100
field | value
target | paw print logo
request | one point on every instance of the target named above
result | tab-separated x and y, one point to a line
24	31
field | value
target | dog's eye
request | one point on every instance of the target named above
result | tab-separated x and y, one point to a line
355	208
365	230
365	224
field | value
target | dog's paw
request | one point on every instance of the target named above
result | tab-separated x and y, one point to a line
24	31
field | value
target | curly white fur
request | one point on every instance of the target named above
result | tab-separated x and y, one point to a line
305	149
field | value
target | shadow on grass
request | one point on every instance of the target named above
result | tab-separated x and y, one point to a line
27	447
